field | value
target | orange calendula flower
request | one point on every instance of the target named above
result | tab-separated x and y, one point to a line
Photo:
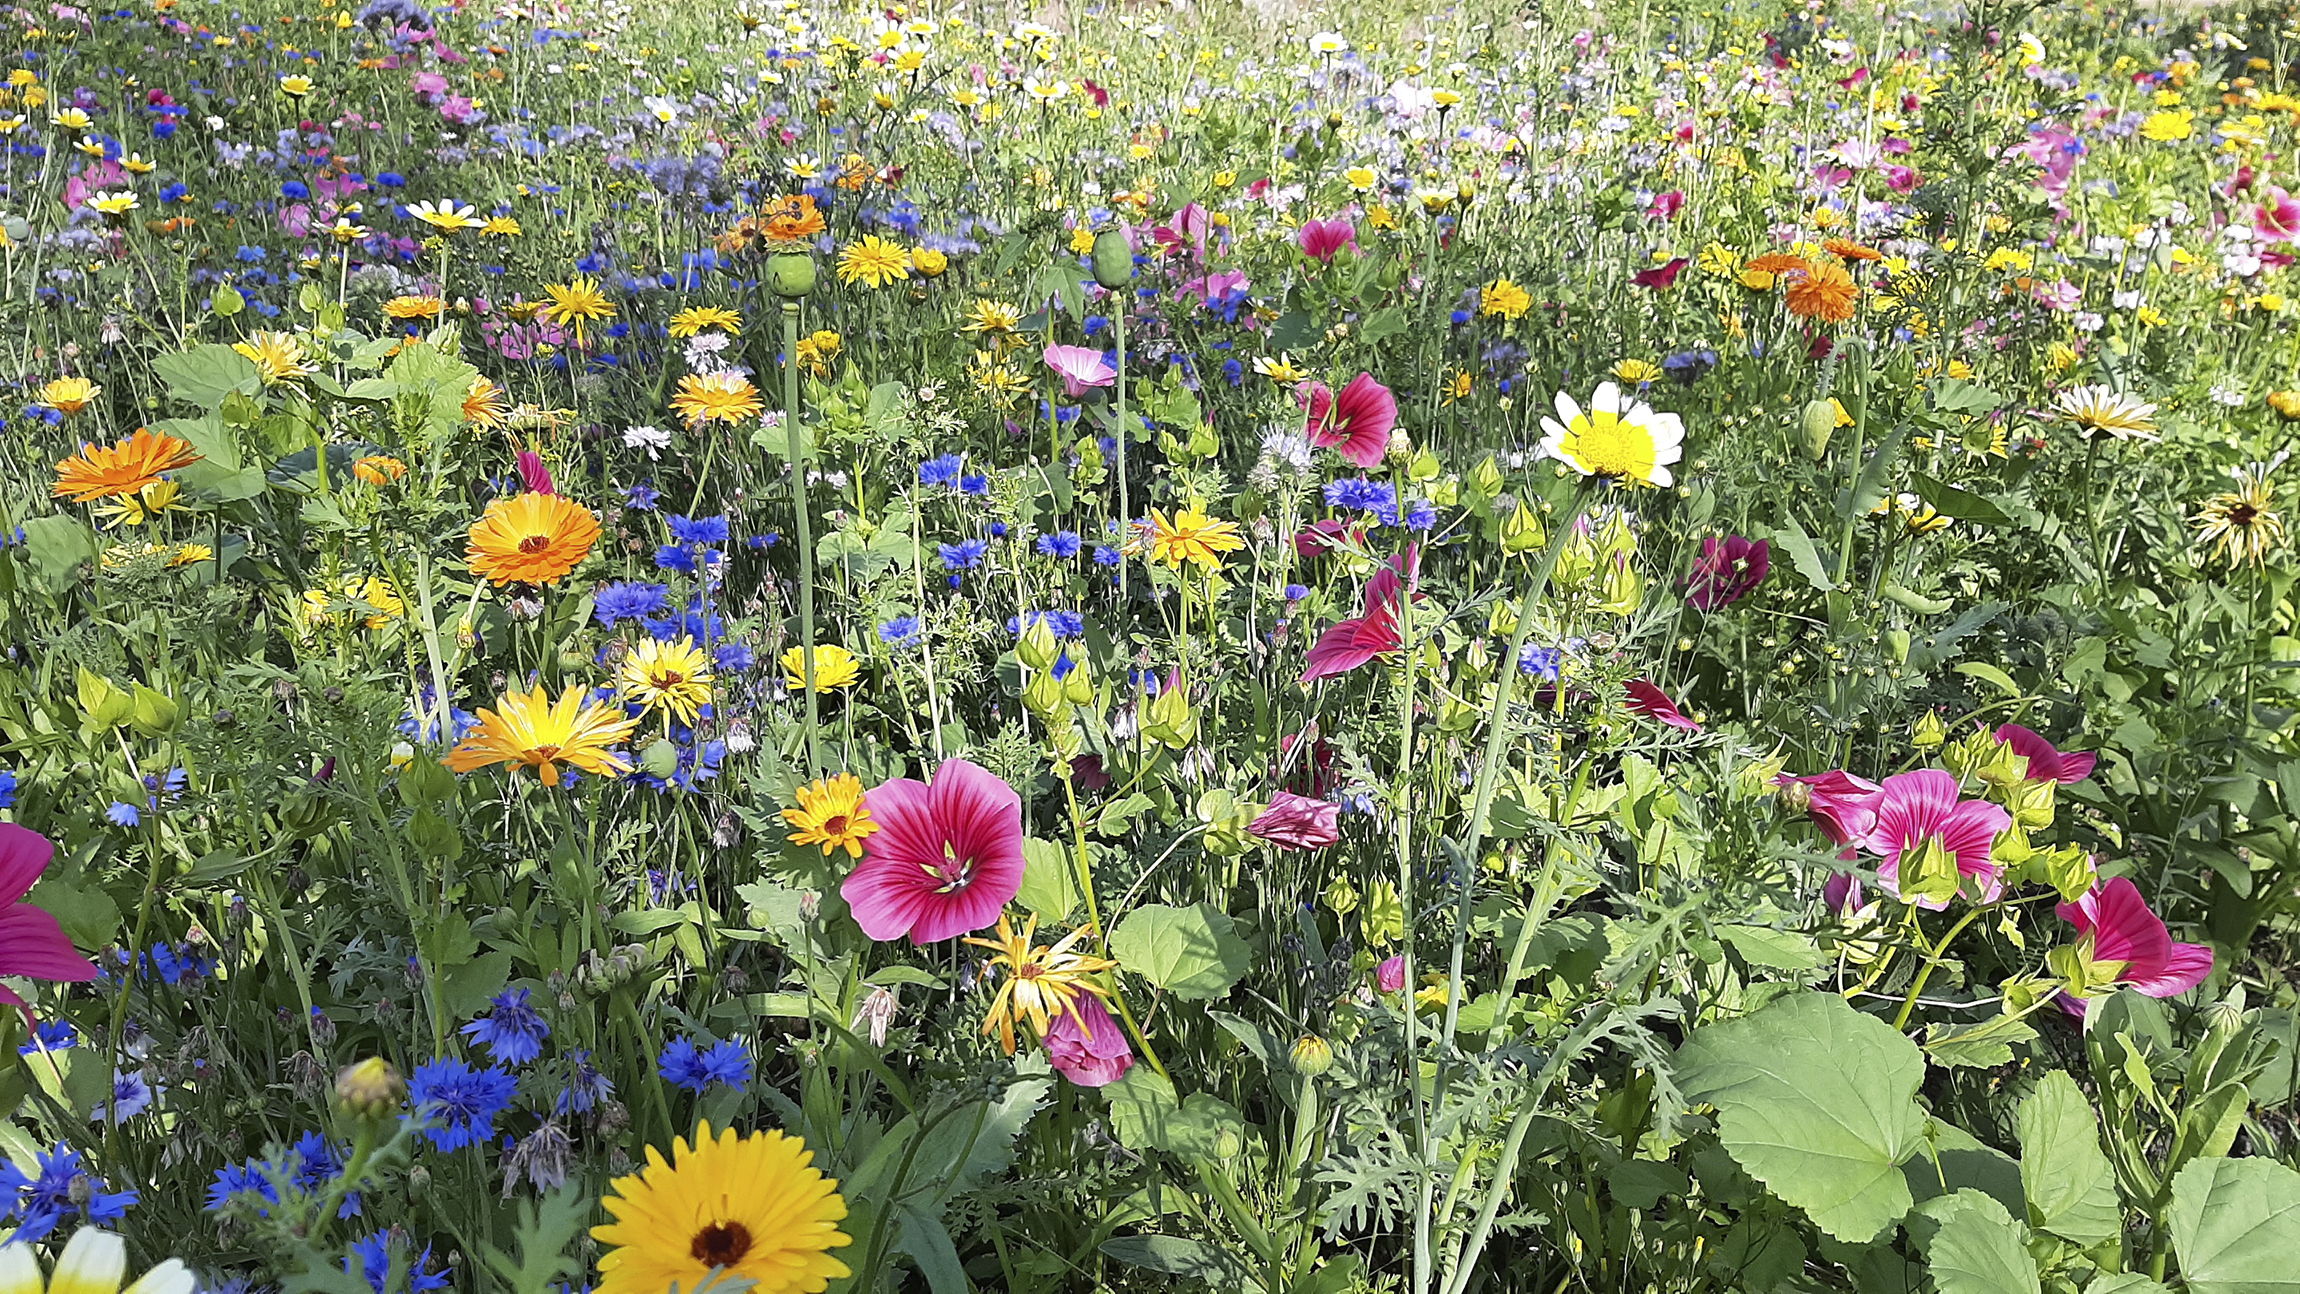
101	472
379	469
793	219
531	538
1821	290
716	397
485	404
529	730
832	813
1847	249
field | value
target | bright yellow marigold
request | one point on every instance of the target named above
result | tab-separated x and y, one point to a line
674	677
716	397
835	667
754	1205
69	395
531	538
832	813
529	730
694	319
1188	536
874	261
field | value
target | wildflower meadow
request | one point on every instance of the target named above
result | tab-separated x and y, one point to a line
1637	646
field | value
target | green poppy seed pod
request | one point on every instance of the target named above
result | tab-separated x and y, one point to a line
1113	259
370	1089
1312	1056
1815	425
791	274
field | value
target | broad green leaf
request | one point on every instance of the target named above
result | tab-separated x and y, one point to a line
1802	555
464	990
975	1142
1049	881
204	375
1190	952
1817	1101
58	546
1955	1160
1174	1256
2235	1224
2124	1283
1977	1248
1765	946
1955	395
2070	1189
1983	1044
1963	505
87	914
921	1237
1141	1106
1874	484
1990	675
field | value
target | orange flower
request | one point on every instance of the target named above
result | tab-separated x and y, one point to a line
485	405
1852	251
126	468
379	469
1775	263
531	538
793	219
1822	290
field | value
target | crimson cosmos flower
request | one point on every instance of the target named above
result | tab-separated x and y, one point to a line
1727	571
1351	643
1297	822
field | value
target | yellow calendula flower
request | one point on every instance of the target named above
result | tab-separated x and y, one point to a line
278	356
716	397
1280	369
1042	983
528	730
500	227
874	261
576	303
997	317
69	395
141	507
1637	372
746	1206
2170	126
835	667
832	813
697	319
1081	240
674	677
1187	536
1504	298
928	262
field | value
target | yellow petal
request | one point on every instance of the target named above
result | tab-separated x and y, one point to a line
92	1264
20	1270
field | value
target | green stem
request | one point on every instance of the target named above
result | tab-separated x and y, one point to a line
806	528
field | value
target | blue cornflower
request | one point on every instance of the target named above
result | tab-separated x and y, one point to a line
1358	492
977	484
1105	555
1688	365
586	1086
52	1035
672	557
641	497
1296	592
1421	514
1064	624
131	1096
964	555
611	603
240	1179
512	1031
123	814
900	632
462	1102
373	1256
1540	662
317	1164
941	471
688	1067
41	1201
1063	543
732	658
698	530
7	789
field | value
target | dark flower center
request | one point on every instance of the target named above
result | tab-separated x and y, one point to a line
2243	514
721	1244
835	825
534	543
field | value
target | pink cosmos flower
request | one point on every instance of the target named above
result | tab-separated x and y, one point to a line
1390	976
1653	703
1088	1047
428	83
1729	570
1320	239
2277	218
32	944
1351	643
1914	808
1189	228
1298	822
1081	368
945	859
1902	179
1665	206
1357	423
2045	764
2121	929
1843	806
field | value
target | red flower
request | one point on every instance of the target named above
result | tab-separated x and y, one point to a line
1357	423
1318	536
1916	808
32	944
1653	703
1843	806
1320	239
1660	276
945	859
534	474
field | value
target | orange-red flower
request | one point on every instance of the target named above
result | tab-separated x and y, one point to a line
100	472
793	219
531	538
1821	290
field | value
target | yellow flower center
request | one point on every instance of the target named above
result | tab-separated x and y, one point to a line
1610	447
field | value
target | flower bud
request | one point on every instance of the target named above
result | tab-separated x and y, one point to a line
1113	259
1312	1056
1930	732
1037	647
370	1089
1815	425
791	274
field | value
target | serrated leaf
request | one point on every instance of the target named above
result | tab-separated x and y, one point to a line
2235	1224
1873	485
1984	1044
1977	1248
1804	556
204	375
1817	1101
2067	1181
1174	1256
1192	953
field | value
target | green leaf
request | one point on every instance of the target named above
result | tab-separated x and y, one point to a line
924	1240
204	375
1049	881
546	1231
1174	1256
2070	1189
1990	675
1956	1159
2124	1283
58	546
1963	505
1802	555
1981	1045
87	914
1955	395
1817	1101
1873	485
1190	952
1142	1105
976	1141
464	990
1778	949
226	302
2236	1225
1387	322
1977	1248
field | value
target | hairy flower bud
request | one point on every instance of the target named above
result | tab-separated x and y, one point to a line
1312	1055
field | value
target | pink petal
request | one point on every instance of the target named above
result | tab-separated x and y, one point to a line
24	854
34	946
2183	969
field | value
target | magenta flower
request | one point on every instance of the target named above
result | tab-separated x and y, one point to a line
1087	1046
945	859
32	944
1351	643
1081	368
1297	822
2046	764
1190	228
1665	206
2277	218
1651	702
1843	806
533	473
1390	976
1320	239
1728	570
1842	893
2130	943
1661	276
1357	423
1914	809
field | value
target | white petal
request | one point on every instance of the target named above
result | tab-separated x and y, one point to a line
1567	410
1661	476
1607	399
170	1277
20	1271
93	1263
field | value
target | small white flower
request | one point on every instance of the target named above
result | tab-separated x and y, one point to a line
652	439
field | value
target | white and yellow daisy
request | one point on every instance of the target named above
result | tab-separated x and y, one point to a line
95	1262
1614	437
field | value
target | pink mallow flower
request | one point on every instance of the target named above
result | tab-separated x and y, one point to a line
946	857
1353	642
32	944
1320	239
1390	976
1651	702
2046	764
2125	944
1729	570
2277	218
1843	806
1081	369
1087	1047
1297	822
1921	810
1357	423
